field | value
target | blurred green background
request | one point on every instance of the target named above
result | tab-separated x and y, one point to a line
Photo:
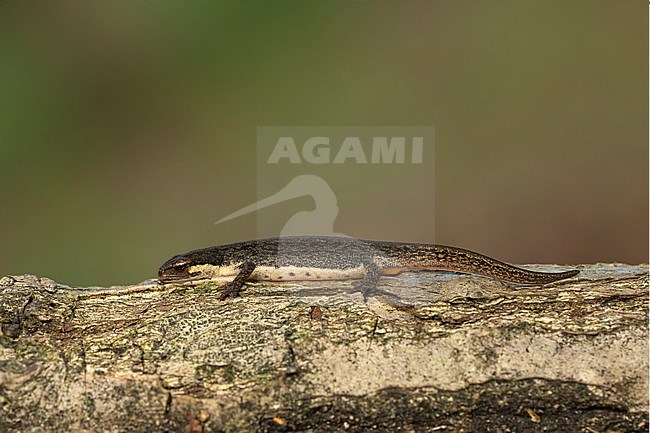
128	128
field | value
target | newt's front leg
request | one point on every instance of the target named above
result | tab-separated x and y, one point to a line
232	289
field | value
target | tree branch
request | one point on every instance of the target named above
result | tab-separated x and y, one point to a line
442	353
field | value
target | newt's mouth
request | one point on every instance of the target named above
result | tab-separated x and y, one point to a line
187	273
165	280
165	276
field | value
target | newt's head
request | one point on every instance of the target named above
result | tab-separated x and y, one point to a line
195	265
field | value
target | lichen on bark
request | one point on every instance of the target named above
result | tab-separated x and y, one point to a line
445	353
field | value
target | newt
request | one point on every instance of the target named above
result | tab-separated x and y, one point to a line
304	258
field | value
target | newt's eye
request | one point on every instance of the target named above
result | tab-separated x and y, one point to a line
180	266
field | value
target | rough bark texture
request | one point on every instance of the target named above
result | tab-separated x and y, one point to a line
452	354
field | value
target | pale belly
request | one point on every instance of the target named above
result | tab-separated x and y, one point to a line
294	273
290	273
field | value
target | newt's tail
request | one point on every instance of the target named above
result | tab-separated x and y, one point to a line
532	277
441	257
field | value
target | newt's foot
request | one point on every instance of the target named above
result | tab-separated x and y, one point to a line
370	289
364	287
230	291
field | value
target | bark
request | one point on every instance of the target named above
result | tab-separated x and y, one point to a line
444	353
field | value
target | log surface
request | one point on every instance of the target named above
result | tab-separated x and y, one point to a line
439	352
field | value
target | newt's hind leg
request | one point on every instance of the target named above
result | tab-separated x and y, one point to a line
368	285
